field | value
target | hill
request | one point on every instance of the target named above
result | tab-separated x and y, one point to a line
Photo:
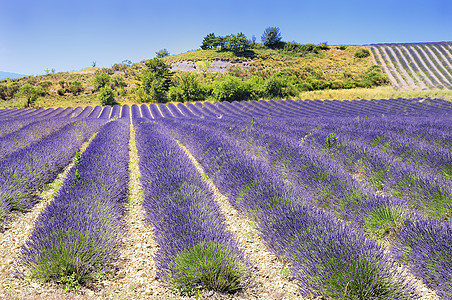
4	75
289	71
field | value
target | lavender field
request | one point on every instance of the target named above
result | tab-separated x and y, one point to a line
251	200
416	65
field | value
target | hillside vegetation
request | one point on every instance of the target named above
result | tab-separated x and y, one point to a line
280	71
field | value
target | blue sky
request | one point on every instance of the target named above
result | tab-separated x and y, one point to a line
70	35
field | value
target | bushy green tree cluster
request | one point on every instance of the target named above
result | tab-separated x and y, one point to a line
155	81
236	43
31	93
101	80
106	96
8	90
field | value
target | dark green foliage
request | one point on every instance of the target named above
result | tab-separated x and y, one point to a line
295	48
374	77
162	53
7	91
279	86
101	80
341	47
186	88
232	89
236	43
271	37
76	87
30	93
106	96
362	53
45	84
208	266
156	80
61	92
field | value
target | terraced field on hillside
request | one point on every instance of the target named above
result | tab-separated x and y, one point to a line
416	65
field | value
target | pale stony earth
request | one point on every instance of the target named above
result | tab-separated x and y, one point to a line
217	66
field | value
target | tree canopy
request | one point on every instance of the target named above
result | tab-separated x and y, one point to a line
271	37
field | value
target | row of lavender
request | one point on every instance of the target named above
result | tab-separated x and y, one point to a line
195	248
427	107
416	65
332	187
289	224
79	234
377	215
37	146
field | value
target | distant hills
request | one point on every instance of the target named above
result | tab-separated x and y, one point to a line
4	75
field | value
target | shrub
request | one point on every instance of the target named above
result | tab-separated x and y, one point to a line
61	92
362	53
186	88
278	86
76	87
30	93
101	80
271	37
156	80
374	77
8	91
231	89
106	96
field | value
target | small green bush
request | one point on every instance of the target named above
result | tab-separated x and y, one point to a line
374	77
76	87
362	53
106	96
101	80
61	92
186	88
231	89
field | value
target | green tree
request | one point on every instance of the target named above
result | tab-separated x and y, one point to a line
101	80
162	53
30	93
156	80
209	42
106	96
238	43
271	37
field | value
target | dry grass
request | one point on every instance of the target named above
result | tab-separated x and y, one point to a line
385	92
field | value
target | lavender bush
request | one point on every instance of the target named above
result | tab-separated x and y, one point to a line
25	172
77	237
196	251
